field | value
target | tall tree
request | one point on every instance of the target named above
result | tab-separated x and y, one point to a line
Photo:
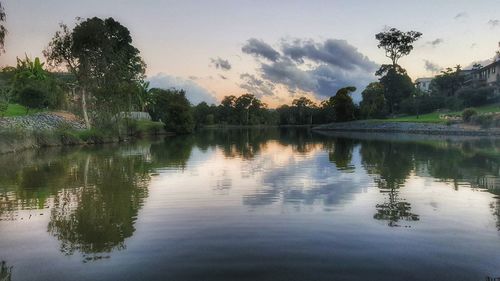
373	104
397	43
305	109
100	54
3	30
343	106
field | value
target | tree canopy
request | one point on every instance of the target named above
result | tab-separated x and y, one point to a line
3	30
107	67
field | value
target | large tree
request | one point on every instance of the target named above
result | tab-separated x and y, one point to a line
397	43
3	30
304	108
343	106
107	67
172	108
397	84
373	104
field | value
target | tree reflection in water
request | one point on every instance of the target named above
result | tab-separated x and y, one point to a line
5	272
97	217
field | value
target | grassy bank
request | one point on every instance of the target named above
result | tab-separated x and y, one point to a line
18	110
434	117
18	139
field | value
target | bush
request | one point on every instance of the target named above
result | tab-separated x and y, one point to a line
33	98
143	127
468	113
92	136
476	97
486	120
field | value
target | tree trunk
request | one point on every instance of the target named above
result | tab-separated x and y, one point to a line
84	109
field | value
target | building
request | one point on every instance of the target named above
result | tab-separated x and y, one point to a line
488	75
423	84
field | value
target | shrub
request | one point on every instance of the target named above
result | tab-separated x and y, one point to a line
33	98
476	97
486	120
468	113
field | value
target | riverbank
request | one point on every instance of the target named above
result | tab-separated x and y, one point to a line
59	129
408	128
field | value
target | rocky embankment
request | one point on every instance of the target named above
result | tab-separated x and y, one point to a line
408	128
41	122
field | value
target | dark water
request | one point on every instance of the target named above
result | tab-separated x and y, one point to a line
254	205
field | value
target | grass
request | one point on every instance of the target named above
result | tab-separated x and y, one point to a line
15	109
434	116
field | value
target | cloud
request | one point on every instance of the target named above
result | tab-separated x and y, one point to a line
318	67
494	23
461	15
222	77
333	52
259	48
221	64
256	86
194	92
431	67
436	42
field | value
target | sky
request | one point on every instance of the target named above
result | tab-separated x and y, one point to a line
277	50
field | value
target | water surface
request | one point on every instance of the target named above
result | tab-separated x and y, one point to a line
254	205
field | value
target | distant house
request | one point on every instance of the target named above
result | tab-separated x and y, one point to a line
423	84
488	75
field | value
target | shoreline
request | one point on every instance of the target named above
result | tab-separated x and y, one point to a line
407	128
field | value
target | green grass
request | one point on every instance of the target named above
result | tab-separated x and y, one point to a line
18	110
434	116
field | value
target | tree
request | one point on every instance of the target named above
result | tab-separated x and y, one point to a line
397	43
397	87
242	105
305	109
3	30
343	105
31	83
107	67
172	108
397	83
448	82
373	104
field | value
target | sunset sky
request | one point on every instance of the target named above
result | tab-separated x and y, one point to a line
277	50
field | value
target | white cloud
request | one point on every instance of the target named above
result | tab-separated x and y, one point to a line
194	92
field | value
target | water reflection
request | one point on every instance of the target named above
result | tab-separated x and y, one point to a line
5	272
93	196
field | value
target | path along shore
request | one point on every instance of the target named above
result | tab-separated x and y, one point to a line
409	128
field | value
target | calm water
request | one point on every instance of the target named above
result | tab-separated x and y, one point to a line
254	205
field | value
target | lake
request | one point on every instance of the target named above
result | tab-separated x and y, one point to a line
269	204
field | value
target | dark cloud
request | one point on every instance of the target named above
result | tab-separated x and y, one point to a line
432	67
461	15
260	48
222	77
436	42
256	86
494	23
194	92
333	52
221	64
331	65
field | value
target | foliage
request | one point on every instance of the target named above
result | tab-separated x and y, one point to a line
3	30
107	67
397	87
448	82
143	127
397	43
468	113
172	108
343	105
373	104
31	83
476	96
4	101
33	98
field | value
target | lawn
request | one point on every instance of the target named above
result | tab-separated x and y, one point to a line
434	116
18	110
